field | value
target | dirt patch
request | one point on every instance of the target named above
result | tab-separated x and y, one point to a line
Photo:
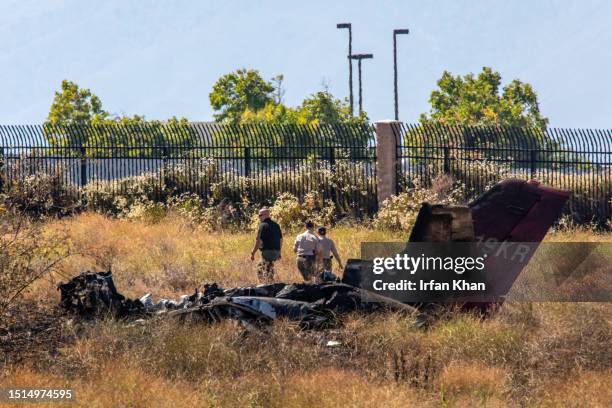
32	333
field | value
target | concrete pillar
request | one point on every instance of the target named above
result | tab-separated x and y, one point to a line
387	140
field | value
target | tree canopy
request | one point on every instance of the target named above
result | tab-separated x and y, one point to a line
322	108
319	108
75	106
238	91
244	97
76	118
478	100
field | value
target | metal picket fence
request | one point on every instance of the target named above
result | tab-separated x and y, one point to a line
259	162
579	160
215	161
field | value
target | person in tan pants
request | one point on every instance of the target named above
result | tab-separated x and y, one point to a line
306	249
327	251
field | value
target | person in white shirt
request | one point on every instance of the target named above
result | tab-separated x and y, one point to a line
306	249
327	251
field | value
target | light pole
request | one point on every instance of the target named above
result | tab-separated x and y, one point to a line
350	51
360	57
395	33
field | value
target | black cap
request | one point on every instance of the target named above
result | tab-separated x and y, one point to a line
322	230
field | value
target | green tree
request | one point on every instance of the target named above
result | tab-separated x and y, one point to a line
320	108
75	106
244	97
480	119
279	90
306	125
477	100
124	133
238	91
76	119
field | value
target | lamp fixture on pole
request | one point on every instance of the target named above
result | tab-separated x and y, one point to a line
350	61
360	57
395	33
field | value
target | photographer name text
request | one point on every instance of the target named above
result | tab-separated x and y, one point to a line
426	285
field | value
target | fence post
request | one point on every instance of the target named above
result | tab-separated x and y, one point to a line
83	165
332	163
386	159
247	173
247	162
533	162
332	157
164	180
446	159
1	168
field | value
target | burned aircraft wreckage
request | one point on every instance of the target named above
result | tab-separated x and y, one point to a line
512	211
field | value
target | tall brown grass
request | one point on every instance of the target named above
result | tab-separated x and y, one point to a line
172	257
526	354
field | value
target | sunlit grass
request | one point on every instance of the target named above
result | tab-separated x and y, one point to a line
526	354
171	257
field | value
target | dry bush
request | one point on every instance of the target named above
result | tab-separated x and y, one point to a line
571	337
381	360
291	213
286	210
335	387
530	344
418	357
223	215
116	197
568	231
277	368
40	194
26	255
480	175
592	192
347	182
591	187
399	212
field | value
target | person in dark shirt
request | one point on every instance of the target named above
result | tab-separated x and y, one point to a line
270	241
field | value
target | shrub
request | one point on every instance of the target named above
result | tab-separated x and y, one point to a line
212	216
147	211
26	254
290	213
399	212
40	194
287	211
190	208
116	197
321	211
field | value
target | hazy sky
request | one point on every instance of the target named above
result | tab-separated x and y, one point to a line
161	58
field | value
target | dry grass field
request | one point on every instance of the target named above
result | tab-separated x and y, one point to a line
527	354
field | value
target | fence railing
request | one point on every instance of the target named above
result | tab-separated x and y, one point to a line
258	162
245	162
579	160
